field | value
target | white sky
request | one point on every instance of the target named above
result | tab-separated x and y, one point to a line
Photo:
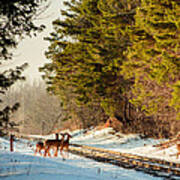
31	50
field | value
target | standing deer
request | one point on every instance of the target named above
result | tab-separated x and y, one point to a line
178	149
39	146
53	143
65	143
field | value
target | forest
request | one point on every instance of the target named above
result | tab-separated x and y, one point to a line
118	59
112	59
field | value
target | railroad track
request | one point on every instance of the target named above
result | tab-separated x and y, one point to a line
153	166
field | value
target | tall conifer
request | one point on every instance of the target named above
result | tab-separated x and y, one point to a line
154	60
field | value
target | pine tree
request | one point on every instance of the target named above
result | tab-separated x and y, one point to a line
87	51
16	22
153	60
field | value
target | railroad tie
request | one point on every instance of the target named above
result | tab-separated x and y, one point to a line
156	167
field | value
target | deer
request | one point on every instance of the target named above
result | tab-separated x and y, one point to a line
65	143
178	149
39	146
53	143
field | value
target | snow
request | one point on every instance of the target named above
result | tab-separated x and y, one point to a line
23	164
131	143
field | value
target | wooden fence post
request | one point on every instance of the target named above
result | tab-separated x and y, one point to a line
11	143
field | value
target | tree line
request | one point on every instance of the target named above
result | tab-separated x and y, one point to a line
38	112
121	58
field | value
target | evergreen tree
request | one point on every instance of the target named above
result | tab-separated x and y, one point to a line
153	60
16	22
87	51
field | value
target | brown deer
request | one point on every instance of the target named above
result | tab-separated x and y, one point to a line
53	143
65	143
39	146
178	149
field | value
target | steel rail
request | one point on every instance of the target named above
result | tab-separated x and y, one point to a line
152	166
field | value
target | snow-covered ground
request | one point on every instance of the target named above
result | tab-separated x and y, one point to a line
108	139
22	164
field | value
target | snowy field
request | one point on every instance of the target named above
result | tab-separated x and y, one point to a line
22	164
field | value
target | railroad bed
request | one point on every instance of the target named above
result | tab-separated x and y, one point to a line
153	166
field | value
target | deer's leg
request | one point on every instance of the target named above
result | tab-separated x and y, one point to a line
61	151
35	152
47	151
40	152
56	152
61	148
65	148
67	151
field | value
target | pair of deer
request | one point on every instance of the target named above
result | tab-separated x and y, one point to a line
55	144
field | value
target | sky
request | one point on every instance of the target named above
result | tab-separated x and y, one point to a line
31	50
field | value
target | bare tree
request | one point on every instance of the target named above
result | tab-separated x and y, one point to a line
38	111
